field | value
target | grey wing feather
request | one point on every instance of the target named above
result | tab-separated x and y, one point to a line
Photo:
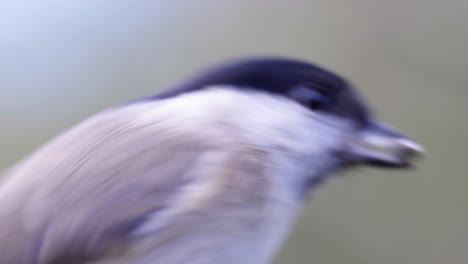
79	198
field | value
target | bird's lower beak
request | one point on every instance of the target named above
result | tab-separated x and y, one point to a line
380	145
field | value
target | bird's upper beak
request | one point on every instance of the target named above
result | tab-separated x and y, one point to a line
380	145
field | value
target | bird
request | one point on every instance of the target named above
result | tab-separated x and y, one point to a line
214	169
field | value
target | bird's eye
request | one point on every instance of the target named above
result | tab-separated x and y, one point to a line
312	96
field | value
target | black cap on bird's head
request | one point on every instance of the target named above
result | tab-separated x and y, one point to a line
319	90
301	81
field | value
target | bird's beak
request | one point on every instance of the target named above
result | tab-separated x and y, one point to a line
380	145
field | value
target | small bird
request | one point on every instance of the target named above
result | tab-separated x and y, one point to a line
213	170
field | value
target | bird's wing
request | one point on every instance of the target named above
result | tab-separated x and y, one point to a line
91	191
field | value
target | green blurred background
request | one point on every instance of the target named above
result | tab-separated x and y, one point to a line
62	61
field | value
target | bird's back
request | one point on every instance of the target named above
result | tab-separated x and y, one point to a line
144	196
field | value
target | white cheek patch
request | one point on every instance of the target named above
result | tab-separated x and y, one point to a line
266	119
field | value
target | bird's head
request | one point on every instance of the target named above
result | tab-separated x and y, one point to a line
312	107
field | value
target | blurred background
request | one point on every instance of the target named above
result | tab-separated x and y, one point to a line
62	61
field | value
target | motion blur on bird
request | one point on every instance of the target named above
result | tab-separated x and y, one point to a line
213	170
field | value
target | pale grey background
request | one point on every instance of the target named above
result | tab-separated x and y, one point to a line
61	61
